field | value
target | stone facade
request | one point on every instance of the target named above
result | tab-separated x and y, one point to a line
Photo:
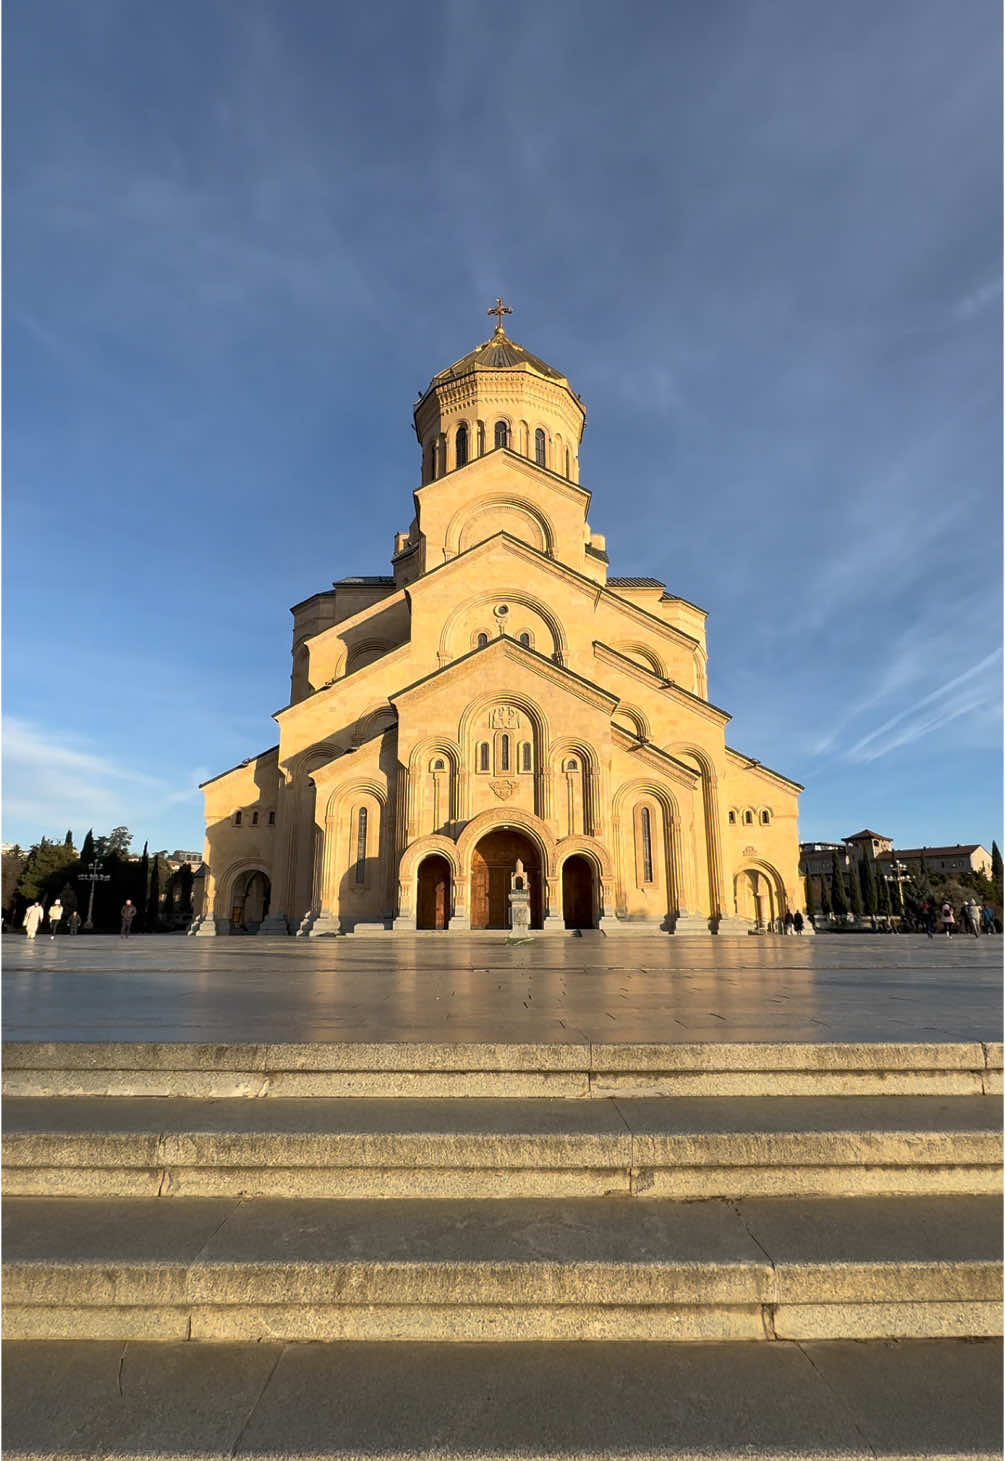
499	696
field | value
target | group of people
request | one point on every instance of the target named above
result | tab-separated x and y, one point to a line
973	919
35	915
792	922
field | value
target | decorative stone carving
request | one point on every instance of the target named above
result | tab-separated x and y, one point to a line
504	788
505	717
750	852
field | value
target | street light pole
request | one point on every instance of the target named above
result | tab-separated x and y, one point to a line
92	876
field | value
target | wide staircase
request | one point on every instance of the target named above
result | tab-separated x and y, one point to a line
419	1250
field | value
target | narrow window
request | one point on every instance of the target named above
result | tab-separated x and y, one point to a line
647	846
483	639
361	846
237	819
567	461
539	447
504	754
462	446
765	819
525	756
502	434
483	756
525	640
732	819
254	819
748	818
272	819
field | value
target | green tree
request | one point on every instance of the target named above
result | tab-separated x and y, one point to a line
118	840
825	895
13	861
45	870
996	871
87	853
839	894
811	902
855	891
68	839
867	876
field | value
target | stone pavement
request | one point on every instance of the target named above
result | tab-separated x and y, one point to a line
433	987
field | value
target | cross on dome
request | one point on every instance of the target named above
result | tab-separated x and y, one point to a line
499	309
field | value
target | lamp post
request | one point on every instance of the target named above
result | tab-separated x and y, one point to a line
92	876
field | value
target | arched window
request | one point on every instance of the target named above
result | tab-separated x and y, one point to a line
361	846
732	819
748	819
461	445
539	447
272	819
237	818
567	461
645	824
438	766
502	434
525	756
483	756
482	640
572	765
254	819
504	753
525	640
765	818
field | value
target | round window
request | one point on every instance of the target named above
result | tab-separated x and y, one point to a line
502	611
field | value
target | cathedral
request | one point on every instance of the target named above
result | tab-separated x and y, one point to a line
499	697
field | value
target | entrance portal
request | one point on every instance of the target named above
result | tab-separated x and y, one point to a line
433	910
492	864
249	902
577	892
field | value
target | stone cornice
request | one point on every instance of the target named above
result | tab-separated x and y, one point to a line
242	765
657	682
510	649
355	620
337	685
750	764
659	760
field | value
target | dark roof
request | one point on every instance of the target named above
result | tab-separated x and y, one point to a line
867	836
635	583
374	579
937	851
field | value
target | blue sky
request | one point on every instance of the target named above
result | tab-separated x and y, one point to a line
763	239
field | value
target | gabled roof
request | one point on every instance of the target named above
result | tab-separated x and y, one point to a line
635	583
866	836
506	648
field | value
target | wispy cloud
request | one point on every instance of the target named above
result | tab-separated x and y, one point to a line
982	297
947	703
53	780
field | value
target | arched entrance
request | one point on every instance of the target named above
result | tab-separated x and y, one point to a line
433	908
249	901
757	898
492	864
578	901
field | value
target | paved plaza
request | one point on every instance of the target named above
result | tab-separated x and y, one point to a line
439	987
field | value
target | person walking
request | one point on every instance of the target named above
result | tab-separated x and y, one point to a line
928	918
55	914
128	914
797	921
948	919
988	918
789	920
974	918
73	921
32	918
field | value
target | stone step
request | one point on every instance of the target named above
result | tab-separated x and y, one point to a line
683	1147
586	1269
576	1068
766	1402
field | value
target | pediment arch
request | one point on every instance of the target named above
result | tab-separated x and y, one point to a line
450	646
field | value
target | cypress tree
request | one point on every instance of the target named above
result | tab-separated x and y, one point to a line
154	901
87	851
855	890
996	867
811	902
825	895
68	840
839	895
883	897
867	874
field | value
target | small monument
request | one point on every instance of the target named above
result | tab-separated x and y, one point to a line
519	900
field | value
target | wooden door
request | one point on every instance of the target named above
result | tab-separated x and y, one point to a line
577	893
433	905
492	864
